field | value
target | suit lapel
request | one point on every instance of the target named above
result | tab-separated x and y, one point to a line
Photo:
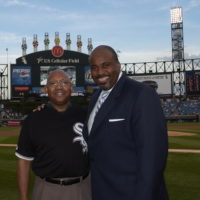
108	105
90	108
93	102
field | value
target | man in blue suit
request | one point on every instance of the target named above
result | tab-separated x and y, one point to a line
126	134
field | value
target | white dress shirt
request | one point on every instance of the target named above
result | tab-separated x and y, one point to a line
93	113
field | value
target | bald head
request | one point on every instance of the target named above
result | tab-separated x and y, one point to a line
104	66
57	72
104	48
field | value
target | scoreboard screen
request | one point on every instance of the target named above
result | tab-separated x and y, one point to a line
192	82
29	74
44	70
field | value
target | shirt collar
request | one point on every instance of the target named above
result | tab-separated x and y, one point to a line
120	74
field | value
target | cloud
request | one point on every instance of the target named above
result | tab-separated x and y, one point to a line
192	4
152	56
12	42
47	13
192	55
6	37
11	3
69	18
117	3
142	56
195	3
192	51
187	5
11	58
27	4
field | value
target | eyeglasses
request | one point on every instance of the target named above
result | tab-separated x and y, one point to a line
54	84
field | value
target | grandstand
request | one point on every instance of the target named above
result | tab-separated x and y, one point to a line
177	84
176	109
181	107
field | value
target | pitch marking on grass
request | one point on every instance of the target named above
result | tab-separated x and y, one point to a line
176	133
170	150
184	150
8	145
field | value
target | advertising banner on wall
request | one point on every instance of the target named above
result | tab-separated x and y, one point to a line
21	75
192	82
13	123
162	83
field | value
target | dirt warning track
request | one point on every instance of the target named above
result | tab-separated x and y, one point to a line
170	133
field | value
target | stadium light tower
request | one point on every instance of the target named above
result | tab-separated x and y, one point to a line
177	34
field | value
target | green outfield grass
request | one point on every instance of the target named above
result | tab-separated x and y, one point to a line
8	139
184	124
182	172
182	176
184	142
8	181
10	128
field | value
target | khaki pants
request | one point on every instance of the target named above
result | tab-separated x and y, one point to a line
48	191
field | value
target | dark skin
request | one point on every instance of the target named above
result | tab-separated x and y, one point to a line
104	66
59	95
59	90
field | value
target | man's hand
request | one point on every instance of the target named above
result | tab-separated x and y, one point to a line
39	108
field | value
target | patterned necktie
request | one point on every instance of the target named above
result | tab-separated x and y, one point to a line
101	100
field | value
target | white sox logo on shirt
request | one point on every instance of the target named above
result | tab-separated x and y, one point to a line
78	129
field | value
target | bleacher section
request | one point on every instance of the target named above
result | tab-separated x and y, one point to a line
181	109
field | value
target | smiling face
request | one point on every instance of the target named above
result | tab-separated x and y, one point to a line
105	67
59	89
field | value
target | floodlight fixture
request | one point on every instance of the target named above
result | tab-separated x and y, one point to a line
176	15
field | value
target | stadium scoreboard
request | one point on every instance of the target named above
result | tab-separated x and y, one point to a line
29	74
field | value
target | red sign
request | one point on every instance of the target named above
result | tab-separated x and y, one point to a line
57	51
13	123
21	88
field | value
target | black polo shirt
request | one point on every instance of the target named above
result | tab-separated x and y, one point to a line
54	142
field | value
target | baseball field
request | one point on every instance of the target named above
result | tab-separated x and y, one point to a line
182	172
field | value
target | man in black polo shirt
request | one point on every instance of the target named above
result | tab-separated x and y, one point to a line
51	143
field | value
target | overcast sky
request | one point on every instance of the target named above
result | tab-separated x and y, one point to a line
138	29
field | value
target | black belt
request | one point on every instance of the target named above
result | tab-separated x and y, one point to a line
66	182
